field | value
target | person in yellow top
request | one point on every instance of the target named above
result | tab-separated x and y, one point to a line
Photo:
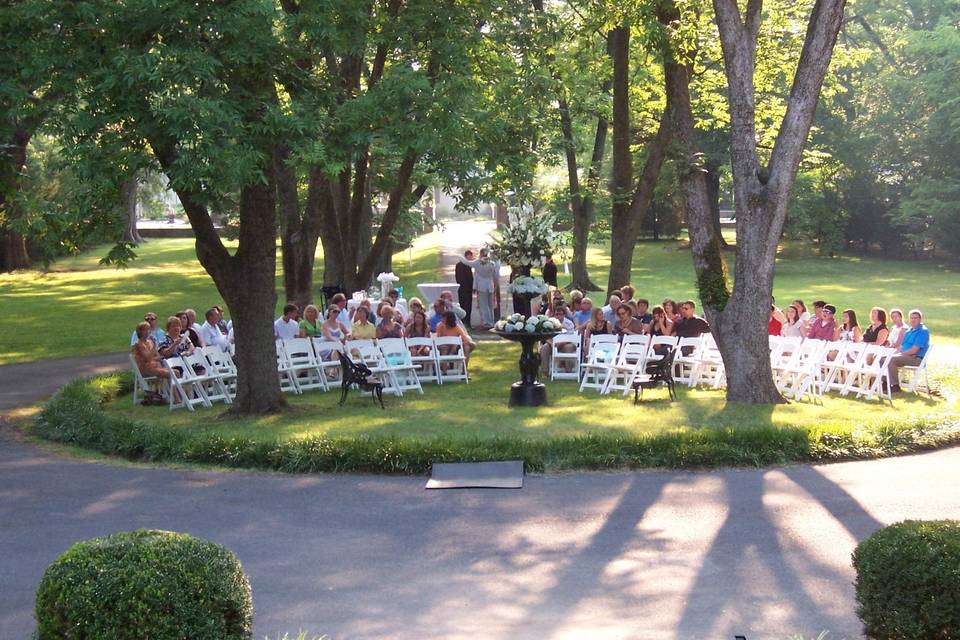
362	328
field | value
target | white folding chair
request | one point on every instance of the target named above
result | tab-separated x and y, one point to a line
630	361
830	359
869	376
184	390
917	371
142	382
288	381
686	360
327	359
558	357
848	366
398	361
304	365
209	380
428	371
372	357
708	369
452	365
799	376
223	365
602	355
658	346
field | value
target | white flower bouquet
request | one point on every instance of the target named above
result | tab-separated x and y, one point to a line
387	277
527	239
522	324
528	285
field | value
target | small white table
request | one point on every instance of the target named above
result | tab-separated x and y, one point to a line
432	290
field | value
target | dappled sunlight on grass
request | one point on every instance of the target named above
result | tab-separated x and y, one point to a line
479	411
78	307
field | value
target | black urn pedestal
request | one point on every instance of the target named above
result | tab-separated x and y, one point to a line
528	391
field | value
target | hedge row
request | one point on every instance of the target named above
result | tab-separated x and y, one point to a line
75	416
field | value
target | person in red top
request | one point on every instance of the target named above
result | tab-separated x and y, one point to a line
774	325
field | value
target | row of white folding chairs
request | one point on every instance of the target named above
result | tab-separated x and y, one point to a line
810	368
613	363
312	363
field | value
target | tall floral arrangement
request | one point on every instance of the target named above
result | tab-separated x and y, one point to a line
527	239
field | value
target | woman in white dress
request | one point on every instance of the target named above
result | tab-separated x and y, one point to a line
897	329
794	325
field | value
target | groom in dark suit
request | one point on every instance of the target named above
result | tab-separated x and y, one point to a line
464	278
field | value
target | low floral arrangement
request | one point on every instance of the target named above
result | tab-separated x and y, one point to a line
528	285
521	324
387	277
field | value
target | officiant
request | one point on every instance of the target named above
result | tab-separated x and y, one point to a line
464	277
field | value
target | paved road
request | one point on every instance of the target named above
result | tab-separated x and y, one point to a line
631	555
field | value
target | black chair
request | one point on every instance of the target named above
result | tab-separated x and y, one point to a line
657	373
357	373
328	292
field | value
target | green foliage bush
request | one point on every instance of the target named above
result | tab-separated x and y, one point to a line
74	416
908	581
145	584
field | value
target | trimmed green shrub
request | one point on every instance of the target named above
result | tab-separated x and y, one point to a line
145	584
908	581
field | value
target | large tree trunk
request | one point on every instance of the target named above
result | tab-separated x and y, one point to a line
246	280
130	232
298	234
712	169
621	182
740	319
13	157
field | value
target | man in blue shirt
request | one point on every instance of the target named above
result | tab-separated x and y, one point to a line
913	348
582	316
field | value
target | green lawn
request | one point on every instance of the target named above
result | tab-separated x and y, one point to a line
665	269
79	307
472	422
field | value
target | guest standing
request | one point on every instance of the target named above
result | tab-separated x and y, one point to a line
550	271
486	274
464	277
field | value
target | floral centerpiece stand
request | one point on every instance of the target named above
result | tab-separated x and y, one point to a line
528	392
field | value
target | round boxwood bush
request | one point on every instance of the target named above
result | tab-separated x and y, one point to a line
908	581
145	584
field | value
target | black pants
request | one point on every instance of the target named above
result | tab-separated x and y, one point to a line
465	295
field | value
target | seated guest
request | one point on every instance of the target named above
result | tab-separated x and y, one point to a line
626	323
156	333
660	325
823	325
897	330
450	327
582	317
222	323
877	332
393	297
435	317
175	343
610	309
194	326
802	308
388	327
340	301
775	324
849	331
286	326
913	348
412	307
332	329
596	326
643	314
671	309
310	326
210	332
362	328
576	299
546	349
626	293
453	305
383	308
418	327
188	330
145	353
793	327
690	325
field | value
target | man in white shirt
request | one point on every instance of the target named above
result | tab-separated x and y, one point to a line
286	326
210	331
